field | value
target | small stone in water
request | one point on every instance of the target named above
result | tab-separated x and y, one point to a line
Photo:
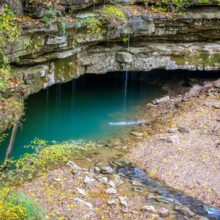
110	191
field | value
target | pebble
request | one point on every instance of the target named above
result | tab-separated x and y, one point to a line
125	210
184	210
137	134
75	169
172	130
171	139
151	196
136	183
88	181
183	130
138	189
110	191
81	191
112	203
111	183
117	179
216	106
88	204
149	208
163	212
57	179
123	201
217	83
97	169
102	179
162	100
106	170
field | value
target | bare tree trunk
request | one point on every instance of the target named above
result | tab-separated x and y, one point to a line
11	142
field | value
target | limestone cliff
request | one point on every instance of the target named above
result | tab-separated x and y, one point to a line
60	43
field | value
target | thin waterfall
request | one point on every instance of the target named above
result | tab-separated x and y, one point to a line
126	79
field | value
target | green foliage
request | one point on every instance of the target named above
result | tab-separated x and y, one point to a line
113	15
46	19
8	33
16	206
169	5
4	76
49	15
45	157
203	1
62	26
94	26
8	28
125	39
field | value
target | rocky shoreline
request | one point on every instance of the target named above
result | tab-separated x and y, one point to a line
183	149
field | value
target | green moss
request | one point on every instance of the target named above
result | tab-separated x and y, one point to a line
179	60
113	12
66	69
208	59
201	58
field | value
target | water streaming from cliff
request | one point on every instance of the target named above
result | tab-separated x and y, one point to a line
84	109
126	79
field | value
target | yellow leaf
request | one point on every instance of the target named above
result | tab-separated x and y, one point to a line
72	206
152	172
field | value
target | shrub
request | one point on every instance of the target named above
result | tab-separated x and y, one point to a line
168	5
8	33
94	26
16	206
44	158
8	28
113	15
